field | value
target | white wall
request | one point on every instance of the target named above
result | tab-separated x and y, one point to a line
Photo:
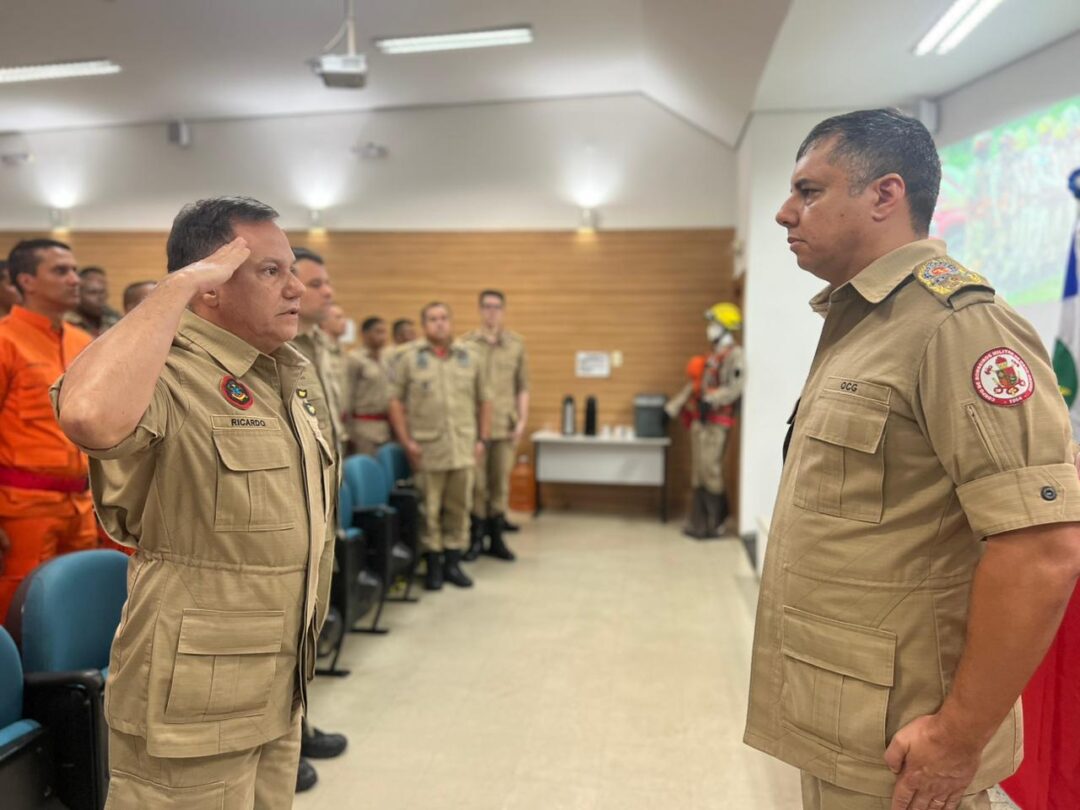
527	165
781	332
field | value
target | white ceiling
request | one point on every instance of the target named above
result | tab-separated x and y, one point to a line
857	53
701	59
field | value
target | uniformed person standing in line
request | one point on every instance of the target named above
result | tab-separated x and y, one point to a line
440	409
205	459
93	314
502	356
709	404
891	643
367	387
333	328
322	400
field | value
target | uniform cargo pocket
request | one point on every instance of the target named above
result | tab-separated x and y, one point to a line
225	664
842	468
253	481
127	790
837	680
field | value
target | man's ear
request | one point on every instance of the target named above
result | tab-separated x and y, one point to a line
210	299
889	193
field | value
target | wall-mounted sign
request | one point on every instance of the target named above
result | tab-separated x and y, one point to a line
593	364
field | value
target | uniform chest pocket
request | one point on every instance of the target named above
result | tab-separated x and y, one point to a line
225	664
837	681
254	482
842	463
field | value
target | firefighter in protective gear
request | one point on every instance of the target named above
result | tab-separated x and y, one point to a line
708	405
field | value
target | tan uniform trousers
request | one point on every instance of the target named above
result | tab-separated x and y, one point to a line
262	778
491	495
707	445
368	437
819	795
446	497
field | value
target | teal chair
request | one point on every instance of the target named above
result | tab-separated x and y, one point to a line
26	778
63	618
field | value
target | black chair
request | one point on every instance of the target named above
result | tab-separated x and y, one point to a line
354	590
63	619
26	767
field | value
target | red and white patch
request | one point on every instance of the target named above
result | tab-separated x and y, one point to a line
1002	378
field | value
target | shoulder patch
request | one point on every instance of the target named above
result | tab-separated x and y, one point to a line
1003	378
945	277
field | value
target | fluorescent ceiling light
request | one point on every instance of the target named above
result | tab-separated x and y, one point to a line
959	20
58	70
517	35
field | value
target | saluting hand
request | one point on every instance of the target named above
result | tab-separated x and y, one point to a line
933	766
219	266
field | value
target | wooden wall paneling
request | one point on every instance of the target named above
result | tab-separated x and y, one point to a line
640	292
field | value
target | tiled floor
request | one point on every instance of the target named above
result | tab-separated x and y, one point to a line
606	669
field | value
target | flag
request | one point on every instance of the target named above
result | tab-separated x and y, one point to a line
1067	347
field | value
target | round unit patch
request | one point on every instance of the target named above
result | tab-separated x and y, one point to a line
1003	378
236	393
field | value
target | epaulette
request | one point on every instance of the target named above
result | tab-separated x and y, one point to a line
945	277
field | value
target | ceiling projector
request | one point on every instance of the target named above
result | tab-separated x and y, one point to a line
341	70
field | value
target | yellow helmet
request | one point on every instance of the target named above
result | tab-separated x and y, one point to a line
727	315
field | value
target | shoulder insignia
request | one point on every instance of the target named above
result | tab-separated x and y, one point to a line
309	407
422	360
302	393
1003	378
236	393
944	277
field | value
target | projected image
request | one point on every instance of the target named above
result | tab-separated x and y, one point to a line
1005	209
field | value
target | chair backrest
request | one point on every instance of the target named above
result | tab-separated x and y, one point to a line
70	609
394	463
345	506
11	681
366	481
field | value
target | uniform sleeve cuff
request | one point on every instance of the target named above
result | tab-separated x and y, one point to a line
1017	499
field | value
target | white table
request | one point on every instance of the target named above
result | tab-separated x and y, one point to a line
629	461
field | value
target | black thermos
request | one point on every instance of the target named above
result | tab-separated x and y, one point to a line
590	416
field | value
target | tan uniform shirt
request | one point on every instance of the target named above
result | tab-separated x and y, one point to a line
367	395
507	371
442	398
316	349
930	419
225	489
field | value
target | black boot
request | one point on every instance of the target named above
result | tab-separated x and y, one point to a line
433	581
508	526
452	570
499	550
320	745
717	511
476	538
305	776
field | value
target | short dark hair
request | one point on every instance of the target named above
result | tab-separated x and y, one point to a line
428	307
371	323
400	324
873	143
131	289
204	226
496	293
90	271
25	257
310	255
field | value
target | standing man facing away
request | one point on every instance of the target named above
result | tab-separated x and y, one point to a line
440	409
367	386
891	642
502	357
204	458
92	314
45	503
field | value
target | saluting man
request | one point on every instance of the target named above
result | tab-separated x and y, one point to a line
892	642
205	460
440	408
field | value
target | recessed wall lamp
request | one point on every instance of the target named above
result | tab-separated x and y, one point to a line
589	221
59	219
315	222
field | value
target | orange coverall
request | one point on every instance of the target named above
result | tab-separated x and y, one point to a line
45	504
